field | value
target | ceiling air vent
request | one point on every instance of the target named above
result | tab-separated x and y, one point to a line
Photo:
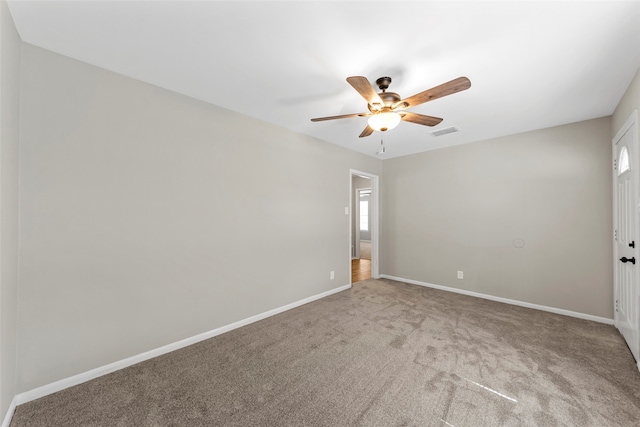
440	132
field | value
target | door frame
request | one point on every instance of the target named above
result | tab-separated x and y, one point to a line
375	220
630	125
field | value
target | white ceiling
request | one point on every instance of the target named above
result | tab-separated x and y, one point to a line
531	64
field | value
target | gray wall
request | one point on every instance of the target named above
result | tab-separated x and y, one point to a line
461	208
629	102
148	217
10	46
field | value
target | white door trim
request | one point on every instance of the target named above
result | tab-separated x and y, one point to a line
375	219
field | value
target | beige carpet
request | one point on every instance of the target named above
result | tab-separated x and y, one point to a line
380	354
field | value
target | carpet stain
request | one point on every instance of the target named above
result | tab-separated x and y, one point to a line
398	342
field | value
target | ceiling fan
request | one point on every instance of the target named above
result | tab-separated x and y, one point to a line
386	109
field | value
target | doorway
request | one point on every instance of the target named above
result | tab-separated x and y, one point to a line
626	180
363	238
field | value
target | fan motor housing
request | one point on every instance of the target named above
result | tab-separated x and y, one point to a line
388	98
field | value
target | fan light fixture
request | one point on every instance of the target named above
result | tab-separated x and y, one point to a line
384	121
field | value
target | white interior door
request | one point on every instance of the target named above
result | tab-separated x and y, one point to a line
626	268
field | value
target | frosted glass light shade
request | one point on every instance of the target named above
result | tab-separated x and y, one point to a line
384	121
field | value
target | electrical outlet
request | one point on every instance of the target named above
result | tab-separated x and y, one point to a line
332	275
460	274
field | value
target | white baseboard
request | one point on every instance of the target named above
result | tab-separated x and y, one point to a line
115	366
504	300
9	415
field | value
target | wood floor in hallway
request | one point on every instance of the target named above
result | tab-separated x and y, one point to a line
360	270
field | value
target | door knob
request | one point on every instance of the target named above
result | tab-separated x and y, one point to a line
632	260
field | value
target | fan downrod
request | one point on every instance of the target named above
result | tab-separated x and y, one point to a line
388	98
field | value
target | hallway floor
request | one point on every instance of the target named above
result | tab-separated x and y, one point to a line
360	270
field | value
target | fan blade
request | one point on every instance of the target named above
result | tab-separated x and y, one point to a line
366	132
449	88
344	116
364	88
420	119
